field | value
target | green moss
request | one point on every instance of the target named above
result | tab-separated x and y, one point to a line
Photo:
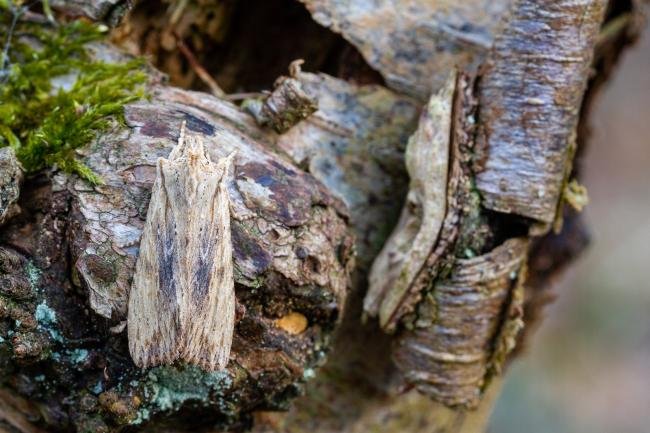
45	123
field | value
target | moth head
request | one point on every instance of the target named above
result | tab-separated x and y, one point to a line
190	147
194	150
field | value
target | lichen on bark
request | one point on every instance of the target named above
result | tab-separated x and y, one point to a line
298	196
292	253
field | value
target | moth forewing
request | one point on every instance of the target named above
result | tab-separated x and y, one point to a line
153	303
209	304
182	302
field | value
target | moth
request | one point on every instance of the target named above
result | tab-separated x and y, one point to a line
182	300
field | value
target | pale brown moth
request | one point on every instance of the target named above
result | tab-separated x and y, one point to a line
182	300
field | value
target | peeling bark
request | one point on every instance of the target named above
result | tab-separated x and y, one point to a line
287	105
354	144
68	256
530	95
440	249
448	354
415	44
408	248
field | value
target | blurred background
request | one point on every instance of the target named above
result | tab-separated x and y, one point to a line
588	366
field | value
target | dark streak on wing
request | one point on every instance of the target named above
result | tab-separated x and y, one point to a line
166	255
202	274
209	238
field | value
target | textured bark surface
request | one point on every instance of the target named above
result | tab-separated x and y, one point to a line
530	92
401	300
448	354
354	144
291	255
67	258
415	44
354	393
11	176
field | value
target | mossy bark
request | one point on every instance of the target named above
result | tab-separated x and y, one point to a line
303	202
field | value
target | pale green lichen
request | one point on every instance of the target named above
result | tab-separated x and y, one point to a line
98	388
575	195
46	318
143	415
33	274
44	314
78	356
170	387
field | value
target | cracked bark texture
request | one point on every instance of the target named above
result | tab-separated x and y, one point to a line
531	89
414	44
11	176
299	198
291	253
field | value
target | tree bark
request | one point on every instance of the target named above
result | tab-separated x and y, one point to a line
311	207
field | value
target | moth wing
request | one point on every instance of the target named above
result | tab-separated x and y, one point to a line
153	313
209	309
